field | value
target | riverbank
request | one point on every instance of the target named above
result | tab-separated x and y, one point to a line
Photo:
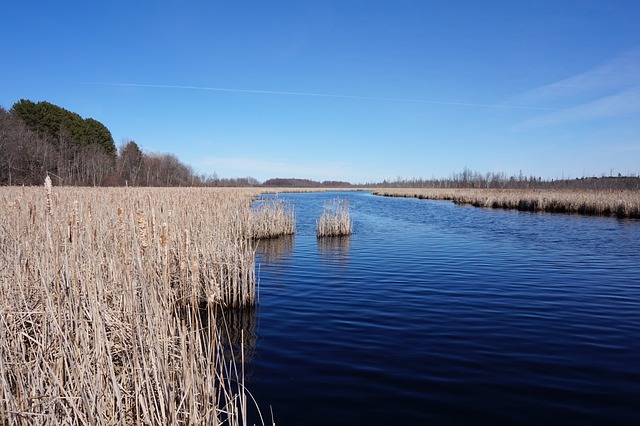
622	204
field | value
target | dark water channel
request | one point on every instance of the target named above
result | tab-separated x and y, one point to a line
432	313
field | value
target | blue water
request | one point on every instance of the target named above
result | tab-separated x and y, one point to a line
432	313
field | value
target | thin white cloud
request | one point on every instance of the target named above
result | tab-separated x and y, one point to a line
321	95
609	90
617	74
619	104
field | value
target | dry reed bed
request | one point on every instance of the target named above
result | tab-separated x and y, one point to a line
335	219
272	217
623	204
101	300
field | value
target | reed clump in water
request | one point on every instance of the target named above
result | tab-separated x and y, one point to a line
623	204
100	308
272	217
335	219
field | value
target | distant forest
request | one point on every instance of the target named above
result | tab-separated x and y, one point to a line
40	139
470	179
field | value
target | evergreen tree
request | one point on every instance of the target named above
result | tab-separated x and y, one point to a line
97	133
52	121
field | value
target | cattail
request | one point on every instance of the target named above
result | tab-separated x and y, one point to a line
121	222
335	219
153	225
270	218
123	251
185	250
163	239
142	227
133	331
32	213
8	315
75	215
48	188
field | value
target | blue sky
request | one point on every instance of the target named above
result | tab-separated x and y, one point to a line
349	90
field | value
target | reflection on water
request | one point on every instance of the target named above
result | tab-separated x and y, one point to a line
335	249
237	333
275	250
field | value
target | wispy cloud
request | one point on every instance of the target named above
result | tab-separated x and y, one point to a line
320	95
608	90
619	104
619	73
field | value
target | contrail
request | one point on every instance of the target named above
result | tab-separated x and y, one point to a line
320	95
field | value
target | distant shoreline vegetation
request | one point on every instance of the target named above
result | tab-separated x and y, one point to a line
305	183
474	180
39	139
618	203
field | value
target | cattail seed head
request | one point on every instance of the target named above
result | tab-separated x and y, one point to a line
142	227
75	214
48	189
153	226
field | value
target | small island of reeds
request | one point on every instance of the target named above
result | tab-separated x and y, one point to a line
335	220
272	217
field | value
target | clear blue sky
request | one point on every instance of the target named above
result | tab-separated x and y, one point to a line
349	90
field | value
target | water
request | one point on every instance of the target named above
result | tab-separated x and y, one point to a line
433	313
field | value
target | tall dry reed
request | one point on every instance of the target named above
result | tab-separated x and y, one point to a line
335	219
623	204
103	310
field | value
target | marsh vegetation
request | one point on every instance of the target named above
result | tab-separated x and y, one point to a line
335	220
107	301
619	203
272	217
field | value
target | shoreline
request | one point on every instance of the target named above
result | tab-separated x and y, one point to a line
616	203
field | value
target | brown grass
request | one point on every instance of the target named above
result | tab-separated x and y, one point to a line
335	220
623	204
106	305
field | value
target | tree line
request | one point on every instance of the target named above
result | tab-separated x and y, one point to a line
471	179
468	178
40	139
305	183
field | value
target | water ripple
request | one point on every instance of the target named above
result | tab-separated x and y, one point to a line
436	314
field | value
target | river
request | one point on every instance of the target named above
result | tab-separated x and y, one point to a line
432	313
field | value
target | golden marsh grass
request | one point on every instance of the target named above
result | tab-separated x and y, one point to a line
623	204
102	296
335	219
272	217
